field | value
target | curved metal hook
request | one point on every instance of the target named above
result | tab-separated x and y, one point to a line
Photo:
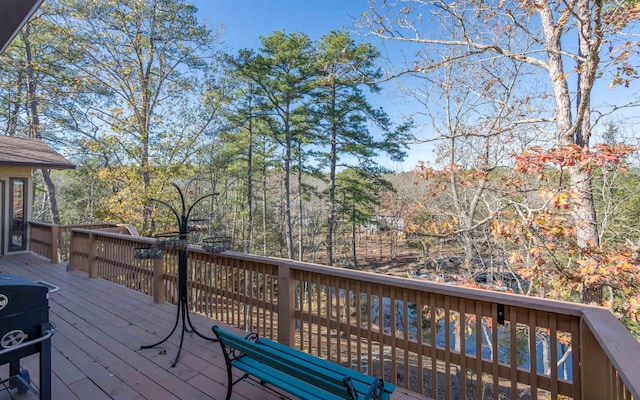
170	208
198	201
175	185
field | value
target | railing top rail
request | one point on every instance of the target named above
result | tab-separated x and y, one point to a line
106	224
98	232
619	345
515	300
41	223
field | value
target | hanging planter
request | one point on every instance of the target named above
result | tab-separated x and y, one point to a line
170	240
217	244
147	251
198	225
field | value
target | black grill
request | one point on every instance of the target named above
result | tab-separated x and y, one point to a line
24	330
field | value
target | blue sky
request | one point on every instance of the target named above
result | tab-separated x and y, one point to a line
245	21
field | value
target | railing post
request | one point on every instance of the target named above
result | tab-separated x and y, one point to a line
593	366
286	293
158	280
93	266
55	233
72	243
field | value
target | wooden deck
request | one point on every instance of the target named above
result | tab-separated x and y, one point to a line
100	327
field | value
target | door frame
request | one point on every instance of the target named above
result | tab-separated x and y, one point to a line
4	224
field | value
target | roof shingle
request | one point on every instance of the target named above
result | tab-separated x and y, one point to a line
27	152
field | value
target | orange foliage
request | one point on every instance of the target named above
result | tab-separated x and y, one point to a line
548	250
534	159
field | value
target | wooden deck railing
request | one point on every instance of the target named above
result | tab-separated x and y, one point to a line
53	241
443	341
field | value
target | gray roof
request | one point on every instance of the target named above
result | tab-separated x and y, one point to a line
27	152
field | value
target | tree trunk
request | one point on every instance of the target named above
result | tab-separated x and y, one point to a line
249	235
353	241
332	183
264	209
300	208
586	226
143	123
35	130
287	185
50	187
13	107
578	133
546	355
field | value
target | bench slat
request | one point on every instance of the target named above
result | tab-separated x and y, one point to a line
283	381
355	376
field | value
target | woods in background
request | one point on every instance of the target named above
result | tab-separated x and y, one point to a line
531	169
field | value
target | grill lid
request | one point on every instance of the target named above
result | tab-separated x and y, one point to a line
18	295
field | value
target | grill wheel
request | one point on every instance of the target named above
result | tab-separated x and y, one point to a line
12	338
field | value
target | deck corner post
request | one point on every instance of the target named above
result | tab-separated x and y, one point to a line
93	248
593	366
158	280
286	301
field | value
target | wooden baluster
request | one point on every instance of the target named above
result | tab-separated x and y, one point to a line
286	301
158	280
495	352
93	267
513	350
463	350
419	339
55	233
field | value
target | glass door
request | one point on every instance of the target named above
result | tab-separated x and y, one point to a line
18	214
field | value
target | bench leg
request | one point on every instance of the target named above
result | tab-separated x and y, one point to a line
232	383
229	382
229	390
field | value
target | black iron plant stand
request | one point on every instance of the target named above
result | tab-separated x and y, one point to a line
182	313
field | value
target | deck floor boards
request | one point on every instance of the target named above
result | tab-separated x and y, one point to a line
100	327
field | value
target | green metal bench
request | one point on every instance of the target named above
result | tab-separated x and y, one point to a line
295	372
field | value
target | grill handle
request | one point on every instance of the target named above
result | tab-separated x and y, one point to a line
47	335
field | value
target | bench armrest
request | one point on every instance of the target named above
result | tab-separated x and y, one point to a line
376	390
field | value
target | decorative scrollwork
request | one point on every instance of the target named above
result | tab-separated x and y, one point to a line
252	337
234	353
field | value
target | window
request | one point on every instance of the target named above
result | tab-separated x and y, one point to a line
18	215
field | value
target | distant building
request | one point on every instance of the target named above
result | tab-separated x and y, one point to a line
385	223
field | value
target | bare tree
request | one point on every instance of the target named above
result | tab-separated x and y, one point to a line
539	34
